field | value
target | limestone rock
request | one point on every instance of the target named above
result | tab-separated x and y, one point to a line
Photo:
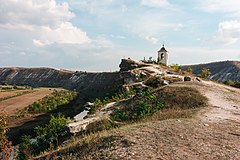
129	64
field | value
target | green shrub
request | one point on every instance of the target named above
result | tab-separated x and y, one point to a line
47	137
229	82
143	106
205	73
189	69
176	67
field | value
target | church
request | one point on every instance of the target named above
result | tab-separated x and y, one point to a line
163	56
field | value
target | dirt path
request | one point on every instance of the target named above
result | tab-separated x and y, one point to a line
213	134
224	102
12	105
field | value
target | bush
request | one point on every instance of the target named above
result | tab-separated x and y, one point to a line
47	137
229	82
143	106
189	69
205	73
176	67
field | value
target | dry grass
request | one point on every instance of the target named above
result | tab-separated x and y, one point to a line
172	113
181	97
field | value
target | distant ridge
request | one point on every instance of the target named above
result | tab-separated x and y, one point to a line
220	71
89	84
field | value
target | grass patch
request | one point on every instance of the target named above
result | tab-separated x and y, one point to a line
181	97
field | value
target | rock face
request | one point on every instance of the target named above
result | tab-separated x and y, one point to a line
129	64
89	84
221	71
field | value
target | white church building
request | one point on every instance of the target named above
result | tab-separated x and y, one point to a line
163	56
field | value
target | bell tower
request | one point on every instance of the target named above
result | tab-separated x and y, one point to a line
163	56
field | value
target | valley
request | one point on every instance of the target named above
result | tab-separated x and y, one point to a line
157	113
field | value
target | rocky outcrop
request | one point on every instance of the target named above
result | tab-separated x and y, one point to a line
129	64
220	71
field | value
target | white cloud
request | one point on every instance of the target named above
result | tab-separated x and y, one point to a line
229	6
228	32
47	21
66	33
155	3
152	39
34	13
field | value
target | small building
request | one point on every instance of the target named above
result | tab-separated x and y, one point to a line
163	56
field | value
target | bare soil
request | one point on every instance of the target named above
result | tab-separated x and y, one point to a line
12	105
10	93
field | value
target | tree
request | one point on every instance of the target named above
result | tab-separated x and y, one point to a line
189	69
47	137
205	73
176	67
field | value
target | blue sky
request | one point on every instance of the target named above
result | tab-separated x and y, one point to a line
93	35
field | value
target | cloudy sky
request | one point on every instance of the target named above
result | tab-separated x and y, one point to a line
93	35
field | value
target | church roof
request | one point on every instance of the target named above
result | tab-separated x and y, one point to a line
162	49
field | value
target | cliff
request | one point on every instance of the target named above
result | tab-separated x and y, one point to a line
105	83
220	71
89	84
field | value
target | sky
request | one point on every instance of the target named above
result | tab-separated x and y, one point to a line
94	35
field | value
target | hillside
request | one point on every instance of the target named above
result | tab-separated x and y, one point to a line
221	71
89	84
185	127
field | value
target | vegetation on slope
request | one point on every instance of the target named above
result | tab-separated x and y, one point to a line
147	103
56	99
47	137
